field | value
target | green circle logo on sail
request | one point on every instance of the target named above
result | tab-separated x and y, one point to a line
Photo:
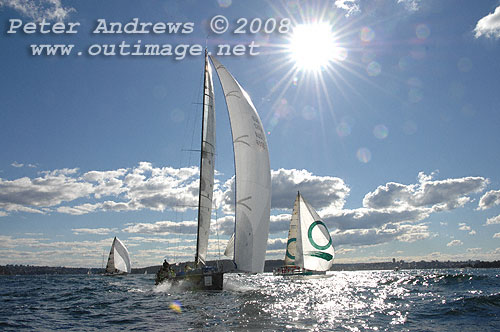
311	240
287	244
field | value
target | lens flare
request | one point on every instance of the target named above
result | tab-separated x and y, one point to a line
367	34
422	31
224	3
380	131
343	129
364	155
373	68
176	306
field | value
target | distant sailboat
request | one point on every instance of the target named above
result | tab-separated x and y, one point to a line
309	247
118	259
253	184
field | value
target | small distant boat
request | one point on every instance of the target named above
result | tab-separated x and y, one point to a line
309	249
118	259
252	184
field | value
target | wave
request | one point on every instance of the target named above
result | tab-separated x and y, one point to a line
444	279
483	305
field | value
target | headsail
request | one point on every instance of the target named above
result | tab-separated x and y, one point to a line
314	244
229	252
253	175
291	244
119	259
207	164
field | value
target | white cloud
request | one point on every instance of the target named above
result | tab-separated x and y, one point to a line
489	199
356	6
463	227
279	223
387	233
143	187
454	243
276	244
493	221
364	218
438	195
410	5
164	228
489	26
319	191
39	9
467	228
17	165
51	189
350	6
97	231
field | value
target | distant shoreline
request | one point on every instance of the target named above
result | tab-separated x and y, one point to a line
270	265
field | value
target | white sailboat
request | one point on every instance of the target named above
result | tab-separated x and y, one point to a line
309	247
118	259
253	183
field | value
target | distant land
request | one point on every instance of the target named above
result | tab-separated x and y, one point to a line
270	265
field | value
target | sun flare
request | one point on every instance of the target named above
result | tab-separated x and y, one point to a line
312	46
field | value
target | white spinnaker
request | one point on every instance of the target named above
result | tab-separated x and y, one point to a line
314	244
253	175
119	258
291	245
207	164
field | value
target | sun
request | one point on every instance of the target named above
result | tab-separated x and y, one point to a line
312	46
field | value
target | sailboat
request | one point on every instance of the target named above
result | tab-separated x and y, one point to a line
309	248
118	259
252	184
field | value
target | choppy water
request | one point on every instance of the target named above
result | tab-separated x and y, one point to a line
419	300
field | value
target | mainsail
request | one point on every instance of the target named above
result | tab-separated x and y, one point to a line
206	166
119	259
314	249
253	175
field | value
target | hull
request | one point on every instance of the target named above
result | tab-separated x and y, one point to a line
115	274
295	271
195	280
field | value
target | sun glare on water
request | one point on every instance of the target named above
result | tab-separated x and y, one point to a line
312	46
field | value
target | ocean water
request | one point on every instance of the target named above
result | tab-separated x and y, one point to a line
413	300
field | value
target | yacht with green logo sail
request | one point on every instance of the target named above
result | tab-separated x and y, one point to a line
309	249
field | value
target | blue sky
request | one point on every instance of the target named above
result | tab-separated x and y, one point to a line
394	140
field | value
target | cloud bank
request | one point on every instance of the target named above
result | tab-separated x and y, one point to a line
391	212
